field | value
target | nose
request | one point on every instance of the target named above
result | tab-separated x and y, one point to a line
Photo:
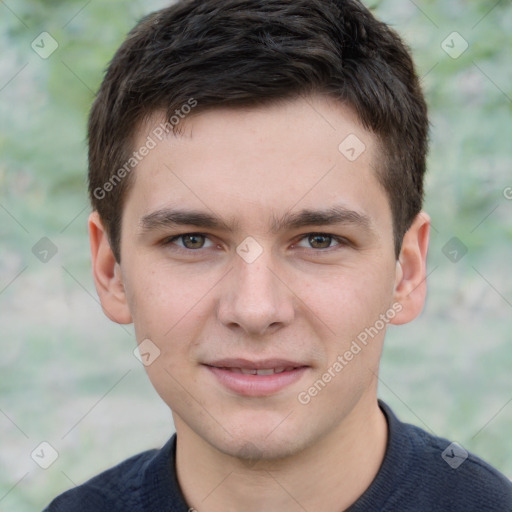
255	299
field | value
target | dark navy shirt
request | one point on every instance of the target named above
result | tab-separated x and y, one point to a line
420	473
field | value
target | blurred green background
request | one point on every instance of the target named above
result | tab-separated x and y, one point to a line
68	375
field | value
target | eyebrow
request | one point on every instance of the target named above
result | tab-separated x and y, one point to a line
331	216
336	215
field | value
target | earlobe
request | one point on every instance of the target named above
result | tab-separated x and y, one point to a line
410	283
107	274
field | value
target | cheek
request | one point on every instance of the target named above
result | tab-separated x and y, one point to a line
350	301
355	310
164	301
171	312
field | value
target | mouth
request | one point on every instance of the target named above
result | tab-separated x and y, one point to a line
256	378
262	371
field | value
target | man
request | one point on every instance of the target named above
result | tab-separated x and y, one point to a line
256	175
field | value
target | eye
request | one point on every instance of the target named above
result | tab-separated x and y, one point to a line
320	241
191	241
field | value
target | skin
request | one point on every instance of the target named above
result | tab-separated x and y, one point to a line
300	300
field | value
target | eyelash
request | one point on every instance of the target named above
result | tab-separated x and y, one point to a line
341	241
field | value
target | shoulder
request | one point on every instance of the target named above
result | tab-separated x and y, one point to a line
444	476
465	478
119	488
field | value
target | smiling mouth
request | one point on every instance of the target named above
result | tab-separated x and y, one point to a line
256	378
255	371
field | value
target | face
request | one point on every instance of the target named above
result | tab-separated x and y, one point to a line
256	252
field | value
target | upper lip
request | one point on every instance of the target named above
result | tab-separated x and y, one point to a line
255	365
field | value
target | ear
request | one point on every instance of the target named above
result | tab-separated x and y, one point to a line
411	273
107	273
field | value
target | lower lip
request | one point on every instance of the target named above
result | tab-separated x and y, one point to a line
256	385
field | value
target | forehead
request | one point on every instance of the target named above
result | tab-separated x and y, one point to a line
258	163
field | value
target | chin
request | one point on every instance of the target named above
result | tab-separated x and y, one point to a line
249	452
262	440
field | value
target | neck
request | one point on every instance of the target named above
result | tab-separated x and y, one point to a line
329	475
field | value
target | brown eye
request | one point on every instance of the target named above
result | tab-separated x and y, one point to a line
188	241
193	241
319	241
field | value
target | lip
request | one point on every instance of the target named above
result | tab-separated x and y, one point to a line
227	372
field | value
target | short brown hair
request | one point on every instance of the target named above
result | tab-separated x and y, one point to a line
249	53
